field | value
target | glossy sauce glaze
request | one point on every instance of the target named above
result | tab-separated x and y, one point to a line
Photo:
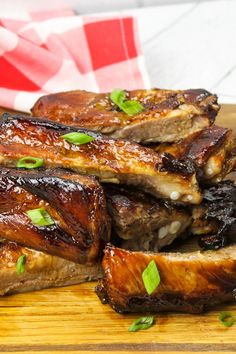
190	282
164	111
75	203
115	161
210	150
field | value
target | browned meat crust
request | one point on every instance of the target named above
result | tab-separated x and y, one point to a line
41	270
190	282
143	222
76	204
148	224
215	219
115	161
168	115
212	150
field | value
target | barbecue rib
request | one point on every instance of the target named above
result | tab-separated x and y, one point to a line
215	219
143	222
212	150
190	282
75	203
111	160
167	116
41	270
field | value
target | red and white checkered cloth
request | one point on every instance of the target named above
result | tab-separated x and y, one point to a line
62	51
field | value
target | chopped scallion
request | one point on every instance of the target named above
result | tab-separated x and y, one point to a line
130	107
29	162
118	97
141	323
40	217
78	138
226	318
151	277
20	264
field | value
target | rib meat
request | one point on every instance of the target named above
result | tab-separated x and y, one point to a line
143	222
167	116
212	150
190	282
75	203
115	161
41	270
214	221
148	224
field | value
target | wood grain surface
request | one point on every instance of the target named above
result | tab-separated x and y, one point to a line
72	320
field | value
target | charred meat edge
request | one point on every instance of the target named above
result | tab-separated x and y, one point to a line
41	270
213	150
190	282
215	219
114	161
168	115
76	204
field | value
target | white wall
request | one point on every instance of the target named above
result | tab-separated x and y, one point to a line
83	6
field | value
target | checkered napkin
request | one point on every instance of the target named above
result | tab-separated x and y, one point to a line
61	51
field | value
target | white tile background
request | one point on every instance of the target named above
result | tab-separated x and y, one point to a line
185	43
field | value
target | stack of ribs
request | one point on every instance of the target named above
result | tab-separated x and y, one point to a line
143	184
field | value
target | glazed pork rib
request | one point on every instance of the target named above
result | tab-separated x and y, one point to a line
115	161
143	222
212	150
214	220
76	205
190	282
168	115
41	270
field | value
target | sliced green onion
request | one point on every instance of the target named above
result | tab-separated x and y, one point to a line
20	264
40	217
118	97
131	107
141	323
226	318
151	277
29	162
78	138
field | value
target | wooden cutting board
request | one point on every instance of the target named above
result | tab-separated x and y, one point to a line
72	320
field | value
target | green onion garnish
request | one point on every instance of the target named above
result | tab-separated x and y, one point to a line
129	107
141	323
132	107
40	217
226	318
118	97
151	277
78	138
29	162
20	264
